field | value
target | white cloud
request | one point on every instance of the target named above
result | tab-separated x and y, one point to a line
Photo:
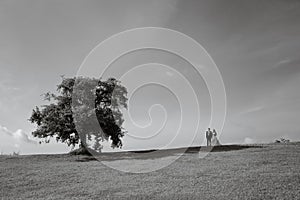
281	63
19	135
169	74
252	110
248	140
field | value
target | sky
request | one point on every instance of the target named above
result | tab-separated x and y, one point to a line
255	44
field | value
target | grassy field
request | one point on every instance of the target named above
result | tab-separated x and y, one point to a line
271	172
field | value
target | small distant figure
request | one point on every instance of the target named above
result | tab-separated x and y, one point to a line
215	141
209	135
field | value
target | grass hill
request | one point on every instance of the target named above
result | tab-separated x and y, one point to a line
271	172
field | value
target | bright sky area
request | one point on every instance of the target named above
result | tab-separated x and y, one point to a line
255	44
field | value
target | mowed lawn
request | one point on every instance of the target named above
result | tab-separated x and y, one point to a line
272	172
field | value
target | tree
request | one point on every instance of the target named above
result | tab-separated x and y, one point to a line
85	109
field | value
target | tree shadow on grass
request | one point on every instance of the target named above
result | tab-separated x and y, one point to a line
155	153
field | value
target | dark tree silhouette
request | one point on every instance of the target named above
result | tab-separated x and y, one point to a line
85	110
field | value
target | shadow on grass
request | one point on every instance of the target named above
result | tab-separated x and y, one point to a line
155	153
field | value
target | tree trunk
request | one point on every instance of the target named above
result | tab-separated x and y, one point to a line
82	150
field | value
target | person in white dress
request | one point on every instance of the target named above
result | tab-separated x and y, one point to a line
214	139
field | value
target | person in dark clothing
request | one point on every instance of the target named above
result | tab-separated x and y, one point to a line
209	135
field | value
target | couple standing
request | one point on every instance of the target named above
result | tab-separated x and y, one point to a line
211	138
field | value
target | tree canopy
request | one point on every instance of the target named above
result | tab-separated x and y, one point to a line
85	109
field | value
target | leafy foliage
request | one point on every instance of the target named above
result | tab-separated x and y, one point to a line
109	97
75	114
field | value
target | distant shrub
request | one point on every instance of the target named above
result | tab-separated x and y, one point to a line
16	153
282	140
